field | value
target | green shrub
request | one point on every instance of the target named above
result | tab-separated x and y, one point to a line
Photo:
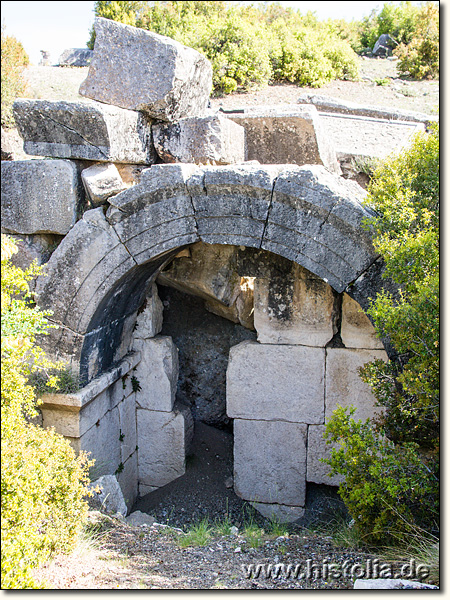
391	485
14	60
399	20
390	490
42	482
420	58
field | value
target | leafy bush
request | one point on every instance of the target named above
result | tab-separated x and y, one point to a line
420	58
42	482
391	474
399	20
14	60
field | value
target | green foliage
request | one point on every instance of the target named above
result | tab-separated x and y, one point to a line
390	490
420	58
399	20
198	535
391	472
14	60
42	482
122	12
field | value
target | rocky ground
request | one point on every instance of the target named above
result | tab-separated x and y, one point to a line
119	556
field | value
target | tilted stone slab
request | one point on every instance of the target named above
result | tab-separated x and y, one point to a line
270	462
163	440
316	220
294	309
84	130
101	182
344	386
271	382
317	471
286	134
356	329
141	70
157	374
39	196
208	140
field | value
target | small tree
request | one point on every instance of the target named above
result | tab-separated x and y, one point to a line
14	60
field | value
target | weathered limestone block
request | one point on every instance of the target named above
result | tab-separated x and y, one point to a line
84	130
356	329
211	139
344	385
102	442
140	70
149	321
127	424
288	134
39	196
157	374
75	57
128	480
270	462
163	439
298	309
316	219
109	497
101	182
317	471
269	382
38	247
208	271
279	512
392	584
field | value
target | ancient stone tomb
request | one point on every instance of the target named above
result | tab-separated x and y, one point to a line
276	251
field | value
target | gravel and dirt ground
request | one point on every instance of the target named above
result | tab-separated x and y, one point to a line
125	557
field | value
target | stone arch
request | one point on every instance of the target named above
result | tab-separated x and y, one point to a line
96	279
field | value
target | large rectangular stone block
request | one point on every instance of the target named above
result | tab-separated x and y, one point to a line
270	461
39	196
162	441
127	424
157	374
294	309
85	130
142	70
207	140
344	386
276	382
287	134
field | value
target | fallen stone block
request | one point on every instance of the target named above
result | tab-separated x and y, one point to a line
356	329
391	584
157	374
270	462
141	70
39	196
109	498
276	382
294	309
286	134
208	140
84	130
101	182
75	57
345	387
163	440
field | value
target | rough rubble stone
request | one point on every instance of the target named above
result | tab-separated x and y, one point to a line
138	519
101	182
163	439
286	134
344	386
75	57
110	498
356	329
157	374
276	382
294	309
39	196
84	130
211	139
140	70
270	462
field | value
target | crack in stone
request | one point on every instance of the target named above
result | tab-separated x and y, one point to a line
269	208
79	134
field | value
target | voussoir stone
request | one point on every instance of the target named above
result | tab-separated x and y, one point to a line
141	70
211	139
39	196
84	130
